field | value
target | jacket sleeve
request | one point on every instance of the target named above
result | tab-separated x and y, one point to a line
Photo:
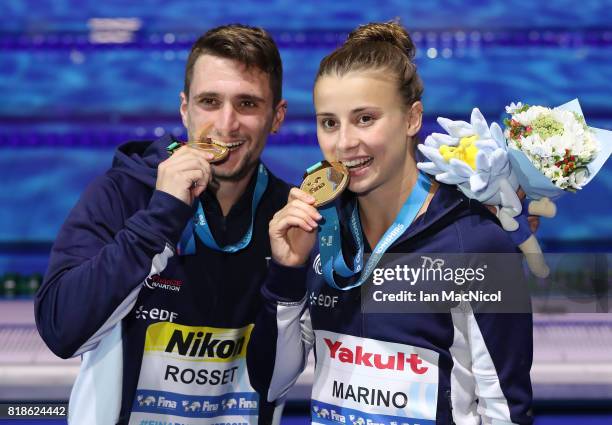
282	337
98	262
500	337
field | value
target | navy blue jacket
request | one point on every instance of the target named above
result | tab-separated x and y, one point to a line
162	336
462	365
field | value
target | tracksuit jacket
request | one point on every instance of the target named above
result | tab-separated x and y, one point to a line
162	336
464	366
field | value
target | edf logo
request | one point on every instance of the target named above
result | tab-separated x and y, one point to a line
156	314
323	300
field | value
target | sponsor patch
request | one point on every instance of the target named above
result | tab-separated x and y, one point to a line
367	381
195	372
156	281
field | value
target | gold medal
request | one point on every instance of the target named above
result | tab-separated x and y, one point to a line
204	143
219	152
325	181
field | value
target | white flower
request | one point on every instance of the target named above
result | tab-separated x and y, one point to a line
513	107
527	117
547	143
491	159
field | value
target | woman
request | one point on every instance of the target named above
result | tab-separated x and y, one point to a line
425	368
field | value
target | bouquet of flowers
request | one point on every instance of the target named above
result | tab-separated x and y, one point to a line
544	151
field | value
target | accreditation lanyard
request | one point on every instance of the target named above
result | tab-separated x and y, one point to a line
199	225
330	245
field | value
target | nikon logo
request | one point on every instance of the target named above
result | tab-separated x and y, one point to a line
200	344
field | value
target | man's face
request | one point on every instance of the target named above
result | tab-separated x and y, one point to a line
238	102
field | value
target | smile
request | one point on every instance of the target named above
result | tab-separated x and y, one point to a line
231	146
358	163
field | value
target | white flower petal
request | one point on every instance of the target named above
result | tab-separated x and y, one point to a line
461	168
486	144
438	139
498	135
479	124
434	155
499	160
478	182
456	129
429	168
451	178
483	162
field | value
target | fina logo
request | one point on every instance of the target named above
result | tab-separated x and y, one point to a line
146	401
316	264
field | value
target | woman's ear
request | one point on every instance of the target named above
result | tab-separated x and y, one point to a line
414	119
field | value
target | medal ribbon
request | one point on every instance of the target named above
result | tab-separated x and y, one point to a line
330	245
199	224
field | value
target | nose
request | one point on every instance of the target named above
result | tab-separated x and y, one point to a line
227	121
347	140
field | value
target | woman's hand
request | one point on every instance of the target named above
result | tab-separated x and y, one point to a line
293	229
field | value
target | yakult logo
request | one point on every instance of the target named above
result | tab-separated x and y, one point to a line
360	357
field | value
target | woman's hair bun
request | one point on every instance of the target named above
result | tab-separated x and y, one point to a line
388	32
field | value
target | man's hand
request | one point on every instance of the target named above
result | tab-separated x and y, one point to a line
186	174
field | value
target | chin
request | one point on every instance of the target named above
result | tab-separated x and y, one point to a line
236	172
360	188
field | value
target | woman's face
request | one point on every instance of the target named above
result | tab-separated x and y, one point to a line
362	122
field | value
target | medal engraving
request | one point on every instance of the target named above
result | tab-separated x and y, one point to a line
325	182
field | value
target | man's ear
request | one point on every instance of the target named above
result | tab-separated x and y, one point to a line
279	115
183	108
414	119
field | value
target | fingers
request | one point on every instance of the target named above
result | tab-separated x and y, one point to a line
521	193
311	212
287	221
297	193
185	174
300	206
296	213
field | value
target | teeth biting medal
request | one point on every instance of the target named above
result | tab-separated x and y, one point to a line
219	152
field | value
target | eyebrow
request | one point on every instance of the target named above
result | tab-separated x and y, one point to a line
243	96
353	112
251	97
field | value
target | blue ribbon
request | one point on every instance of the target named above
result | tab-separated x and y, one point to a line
330	244
199	224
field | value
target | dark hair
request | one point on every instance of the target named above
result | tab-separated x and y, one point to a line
250	46
379	46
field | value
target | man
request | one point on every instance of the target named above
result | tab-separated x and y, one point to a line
163	331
